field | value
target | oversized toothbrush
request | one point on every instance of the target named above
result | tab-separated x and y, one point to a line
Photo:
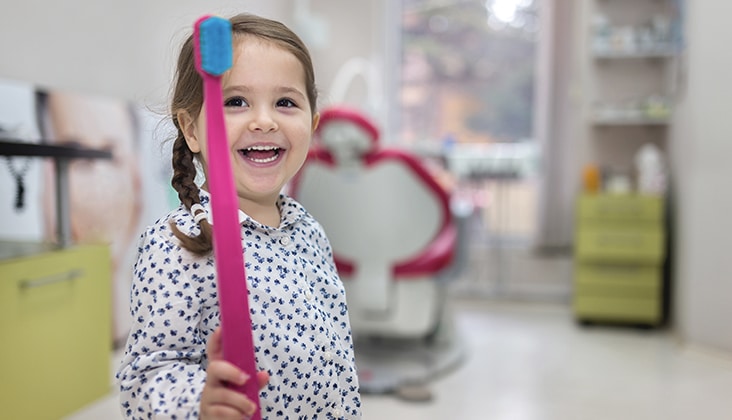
212	44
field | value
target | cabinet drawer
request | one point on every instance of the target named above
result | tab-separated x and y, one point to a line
620	208
614	309
56	319
619	244
624	281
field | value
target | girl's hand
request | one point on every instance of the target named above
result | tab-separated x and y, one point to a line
218	401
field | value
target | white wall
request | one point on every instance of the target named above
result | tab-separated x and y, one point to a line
353	27
702	149
563	149
124	49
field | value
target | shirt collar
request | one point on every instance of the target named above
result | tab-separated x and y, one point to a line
290	211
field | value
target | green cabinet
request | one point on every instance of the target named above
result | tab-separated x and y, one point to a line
619	254
55	320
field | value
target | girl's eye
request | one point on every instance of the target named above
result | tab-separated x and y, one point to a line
235	102
287	103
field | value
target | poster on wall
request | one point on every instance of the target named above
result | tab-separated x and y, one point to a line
20	177
110	200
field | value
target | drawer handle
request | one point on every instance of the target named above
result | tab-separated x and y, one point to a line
52	279
620	240
620	210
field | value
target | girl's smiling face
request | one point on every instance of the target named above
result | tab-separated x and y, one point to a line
269	122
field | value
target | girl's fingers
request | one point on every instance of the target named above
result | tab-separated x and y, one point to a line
219	398
214	349
224	372
229	402
221	411
262	378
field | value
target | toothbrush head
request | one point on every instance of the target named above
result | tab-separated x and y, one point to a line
212	45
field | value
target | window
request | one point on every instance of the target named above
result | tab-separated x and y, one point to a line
468	70
467	95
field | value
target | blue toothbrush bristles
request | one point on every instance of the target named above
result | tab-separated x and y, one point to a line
215	45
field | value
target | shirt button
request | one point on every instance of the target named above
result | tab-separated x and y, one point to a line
309	295
284	241
328	356
337	413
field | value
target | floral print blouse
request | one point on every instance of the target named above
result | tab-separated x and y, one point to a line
299	317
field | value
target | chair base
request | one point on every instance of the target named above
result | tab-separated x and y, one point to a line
387	365
416	310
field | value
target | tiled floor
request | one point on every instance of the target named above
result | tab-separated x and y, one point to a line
532	362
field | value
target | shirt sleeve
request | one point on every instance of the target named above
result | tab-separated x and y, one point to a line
163	369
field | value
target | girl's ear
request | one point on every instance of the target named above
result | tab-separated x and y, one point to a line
316	121
188	128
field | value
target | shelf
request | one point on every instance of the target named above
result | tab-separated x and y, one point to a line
13	148
61	156
621	121
630	68
659	52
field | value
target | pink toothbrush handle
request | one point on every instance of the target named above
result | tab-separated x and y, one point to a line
236	324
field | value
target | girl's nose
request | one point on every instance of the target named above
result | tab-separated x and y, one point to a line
262	121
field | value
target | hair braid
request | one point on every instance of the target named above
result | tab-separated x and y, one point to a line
184	173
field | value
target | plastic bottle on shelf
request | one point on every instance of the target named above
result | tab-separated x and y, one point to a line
652	177
591	179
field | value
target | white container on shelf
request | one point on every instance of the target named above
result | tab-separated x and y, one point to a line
651	170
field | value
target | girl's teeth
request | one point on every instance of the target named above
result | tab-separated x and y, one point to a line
261	154
267	160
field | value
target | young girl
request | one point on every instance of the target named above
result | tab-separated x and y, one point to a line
173	366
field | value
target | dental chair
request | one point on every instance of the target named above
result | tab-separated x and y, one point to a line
393	238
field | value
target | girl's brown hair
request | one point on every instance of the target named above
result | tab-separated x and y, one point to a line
188	97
